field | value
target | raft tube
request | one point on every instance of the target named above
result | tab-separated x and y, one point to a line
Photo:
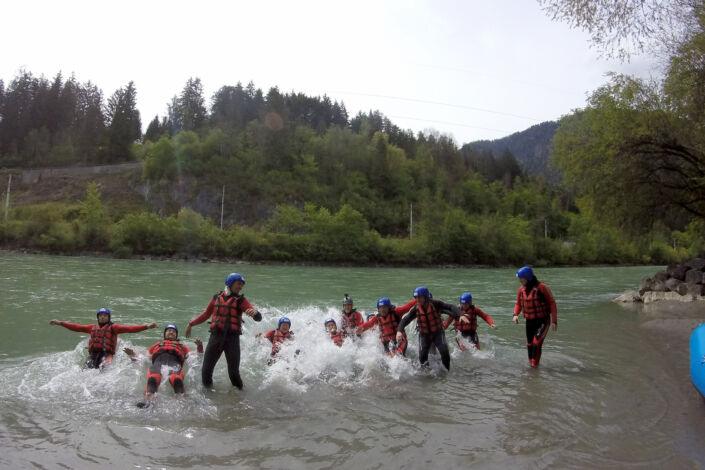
697	358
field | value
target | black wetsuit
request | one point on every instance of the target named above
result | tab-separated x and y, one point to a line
94	360
220	342
536	328
438	338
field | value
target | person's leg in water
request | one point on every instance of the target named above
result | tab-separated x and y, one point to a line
154	378
439	339
94	360
232	356
531	326
214	349
176	379
538	339
424	345
471	336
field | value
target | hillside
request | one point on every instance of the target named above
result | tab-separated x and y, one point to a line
531	148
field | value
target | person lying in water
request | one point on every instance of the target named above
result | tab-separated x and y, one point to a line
169	353
103	337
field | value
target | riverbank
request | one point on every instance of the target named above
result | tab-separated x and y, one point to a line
185	258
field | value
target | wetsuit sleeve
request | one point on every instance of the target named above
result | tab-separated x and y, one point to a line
552	308
117	329
76	327
485	316
517	305
402	309
447	308
270	335
408	318
207	312
368	324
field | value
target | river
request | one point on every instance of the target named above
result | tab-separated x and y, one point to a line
612	391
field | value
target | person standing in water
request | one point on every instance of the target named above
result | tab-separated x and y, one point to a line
103	337
352	319
468	330
388	318
429	323
536	302
225	310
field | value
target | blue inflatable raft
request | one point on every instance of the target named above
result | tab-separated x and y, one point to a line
697	358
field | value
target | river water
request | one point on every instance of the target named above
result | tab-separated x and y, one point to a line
612	391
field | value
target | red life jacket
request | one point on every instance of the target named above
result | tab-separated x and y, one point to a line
338	338
352	321
168	346
471	315
227	315
534	303
102	339
279	337
388	326
430	321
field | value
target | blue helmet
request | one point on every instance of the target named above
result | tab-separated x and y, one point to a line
422	291
525	273
103	310
382	301
329	320
283	320
465	298
171	326
234	277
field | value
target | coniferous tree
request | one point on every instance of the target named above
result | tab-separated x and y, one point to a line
125	127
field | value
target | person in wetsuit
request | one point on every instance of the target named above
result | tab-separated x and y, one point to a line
429	324
535	300
351	318
468	330
169	353
388	318
332	329
103	337
225	310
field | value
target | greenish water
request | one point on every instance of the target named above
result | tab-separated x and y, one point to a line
612	390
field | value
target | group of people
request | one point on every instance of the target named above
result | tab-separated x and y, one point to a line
227	309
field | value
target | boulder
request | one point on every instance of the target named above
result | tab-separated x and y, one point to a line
696	289
661	276
694	276
658	286
682	288
697	263
678	272
672	285
646	285
628	297
651	297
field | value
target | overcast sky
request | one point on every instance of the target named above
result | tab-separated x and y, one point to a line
472	69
